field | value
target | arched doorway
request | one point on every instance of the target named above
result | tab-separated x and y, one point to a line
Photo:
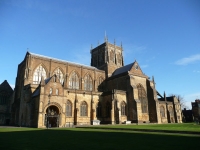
52	117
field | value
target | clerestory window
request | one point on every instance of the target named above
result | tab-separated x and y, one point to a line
88	83
73	81
59	75
38	74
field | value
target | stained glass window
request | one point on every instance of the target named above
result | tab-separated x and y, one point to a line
88	83
59	75
142	97
73	81
38	74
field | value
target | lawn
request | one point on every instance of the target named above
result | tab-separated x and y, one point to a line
173	127
83	138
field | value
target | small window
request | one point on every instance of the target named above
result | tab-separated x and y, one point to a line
69	109
162	111
83	109
50	91
123	109
56	91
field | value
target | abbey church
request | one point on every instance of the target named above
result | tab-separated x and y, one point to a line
56	93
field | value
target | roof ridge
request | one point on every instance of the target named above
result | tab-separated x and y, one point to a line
62	60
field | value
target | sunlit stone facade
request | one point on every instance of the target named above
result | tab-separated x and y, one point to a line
56	93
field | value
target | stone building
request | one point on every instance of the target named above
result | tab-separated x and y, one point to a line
6	97
196	109
59	93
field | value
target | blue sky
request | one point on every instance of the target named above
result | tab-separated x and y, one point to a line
162	35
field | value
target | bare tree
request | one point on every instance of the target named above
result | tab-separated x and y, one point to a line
181	100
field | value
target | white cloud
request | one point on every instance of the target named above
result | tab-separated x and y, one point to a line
188	60
196	71
12	86
191	98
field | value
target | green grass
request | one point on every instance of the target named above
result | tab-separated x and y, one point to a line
174	127
83	138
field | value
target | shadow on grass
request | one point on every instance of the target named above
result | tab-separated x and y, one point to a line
54	139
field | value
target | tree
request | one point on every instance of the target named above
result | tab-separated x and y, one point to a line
181	100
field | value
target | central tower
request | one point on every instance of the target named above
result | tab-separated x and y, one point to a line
107	57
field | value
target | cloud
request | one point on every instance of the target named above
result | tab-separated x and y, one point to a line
12	86
191	98
196	71
188	60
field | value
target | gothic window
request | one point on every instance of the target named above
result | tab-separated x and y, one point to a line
123	108
83	109
171	112
74	81
142	97
162	111
88	83
99	110
101	58
38	74
69	109
59	75
112	56
56	91
108	109
119	59
50	91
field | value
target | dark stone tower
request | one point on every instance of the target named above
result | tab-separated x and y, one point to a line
107	57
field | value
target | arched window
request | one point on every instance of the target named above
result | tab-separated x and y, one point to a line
112	56
142	97
119	59
88	83
162	111
99	110
50	91
123	108
56	91
108	109
59	75
73	81
38	74
83	109
171	112
69	109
